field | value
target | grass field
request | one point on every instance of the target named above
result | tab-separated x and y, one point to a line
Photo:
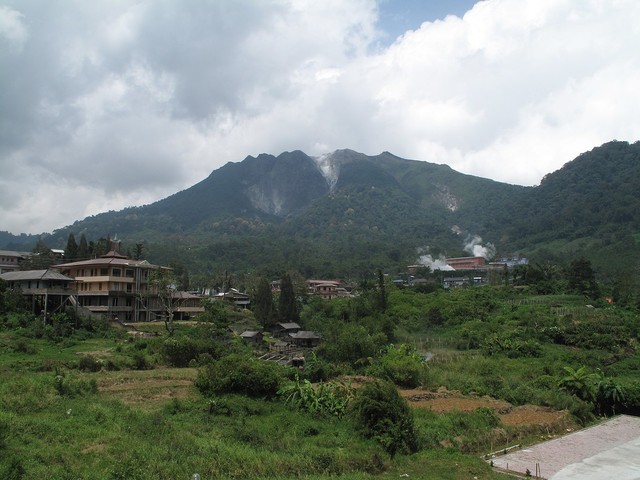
106	404
61	423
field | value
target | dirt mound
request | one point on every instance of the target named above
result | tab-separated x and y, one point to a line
443	401
533	415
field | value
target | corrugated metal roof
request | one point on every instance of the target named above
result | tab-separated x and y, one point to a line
127	262
26	275
305	334
289	326
13	253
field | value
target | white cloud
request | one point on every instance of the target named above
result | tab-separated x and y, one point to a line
12	28
109	104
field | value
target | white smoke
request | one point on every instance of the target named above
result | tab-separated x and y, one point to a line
473	245
427	260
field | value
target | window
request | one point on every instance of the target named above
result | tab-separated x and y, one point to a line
116	272
104	271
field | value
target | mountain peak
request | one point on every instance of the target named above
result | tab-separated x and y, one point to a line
329	166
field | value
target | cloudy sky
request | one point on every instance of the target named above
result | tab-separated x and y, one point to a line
106	104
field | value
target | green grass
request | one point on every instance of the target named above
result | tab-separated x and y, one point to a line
152	423
92	436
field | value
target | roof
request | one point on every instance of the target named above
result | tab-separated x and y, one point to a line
289	325
323	282
305	334
12	253
19	276
250	334
123	261
185	295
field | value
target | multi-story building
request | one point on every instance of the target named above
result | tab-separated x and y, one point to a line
117	287
10	260
46	291
467	263
328	289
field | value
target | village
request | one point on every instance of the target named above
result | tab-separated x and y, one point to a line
116	288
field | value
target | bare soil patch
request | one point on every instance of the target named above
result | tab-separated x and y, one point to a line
533	415
148	388
443	401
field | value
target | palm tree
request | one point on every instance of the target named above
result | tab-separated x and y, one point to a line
580	383
608	395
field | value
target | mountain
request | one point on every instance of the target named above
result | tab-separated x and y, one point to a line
590	207
347	213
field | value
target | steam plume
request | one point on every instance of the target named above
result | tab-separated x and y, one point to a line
427	260
473	245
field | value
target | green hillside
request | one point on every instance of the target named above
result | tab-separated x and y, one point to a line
271	213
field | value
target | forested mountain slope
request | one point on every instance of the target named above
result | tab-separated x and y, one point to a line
347	212
590	207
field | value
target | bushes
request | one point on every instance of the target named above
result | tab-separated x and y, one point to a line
512	348
89	364
352	344
383	415
178	352
329	399
72	387
236	373
631	402
402	365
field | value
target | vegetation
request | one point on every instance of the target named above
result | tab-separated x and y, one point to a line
380	212
382	414
81	398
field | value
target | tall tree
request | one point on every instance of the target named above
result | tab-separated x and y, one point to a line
138	251
41	258
287	303
162	285
71	250
263	306
181	275
83	249
582	279
100	247
382	292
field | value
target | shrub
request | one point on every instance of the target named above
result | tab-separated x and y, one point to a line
140	361
71	387
240	374
21	345
512	348
178	352
631	402
353	344
383	415
330	399
89	364
402	365
317	369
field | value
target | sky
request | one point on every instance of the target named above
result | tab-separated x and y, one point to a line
107	104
